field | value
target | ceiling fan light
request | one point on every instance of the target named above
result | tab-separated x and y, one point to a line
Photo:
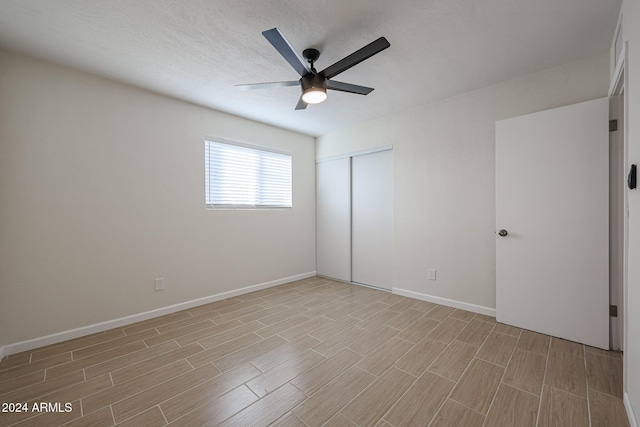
314	95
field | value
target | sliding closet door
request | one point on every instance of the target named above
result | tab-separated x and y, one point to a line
333	219
372	219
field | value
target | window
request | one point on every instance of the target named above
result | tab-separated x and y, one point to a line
241	176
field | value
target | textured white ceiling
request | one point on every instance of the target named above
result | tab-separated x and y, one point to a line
197	50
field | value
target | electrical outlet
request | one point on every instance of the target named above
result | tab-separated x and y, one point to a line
159	284
432	274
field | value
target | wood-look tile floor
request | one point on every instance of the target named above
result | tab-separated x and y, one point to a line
310	353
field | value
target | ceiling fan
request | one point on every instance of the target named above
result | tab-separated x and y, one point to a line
314	84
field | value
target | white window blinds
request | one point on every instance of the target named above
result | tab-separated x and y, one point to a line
238	176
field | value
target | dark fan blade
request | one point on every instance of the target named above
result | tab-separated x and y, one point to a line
301	104
282	45
348	87
267	85
356	57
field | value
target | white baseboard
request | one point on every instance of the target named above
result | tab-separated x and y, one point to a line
127	320
448	302
633	421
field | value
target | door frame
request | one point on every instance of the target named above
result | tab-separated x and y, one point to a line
355	153
618	285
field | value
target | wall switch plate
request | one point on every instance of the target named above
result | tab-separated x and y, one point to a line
432	274
159	284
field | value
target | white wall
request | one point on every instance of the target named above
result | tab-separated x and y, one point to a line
444	178
102	190
631	26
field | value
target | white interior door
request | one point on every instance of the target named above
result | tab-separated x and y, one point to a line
552	268
333	219
372	219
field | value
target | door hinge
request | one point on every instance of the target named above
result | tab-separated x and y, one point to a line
613	125
613	311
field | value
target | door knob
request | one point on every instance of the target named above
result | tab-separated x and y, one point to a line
503	232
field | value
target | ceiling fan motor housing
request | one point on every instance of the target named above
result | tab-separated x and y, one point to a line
315	81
